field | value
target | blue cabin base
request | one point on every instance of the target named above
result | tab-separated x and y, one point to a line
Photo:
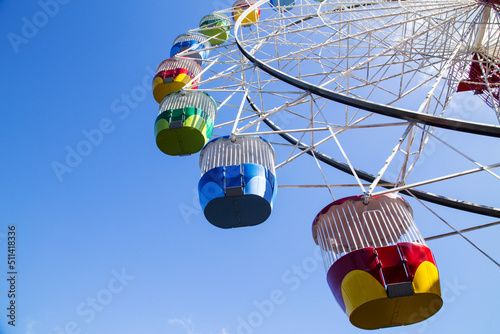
237	196
241	211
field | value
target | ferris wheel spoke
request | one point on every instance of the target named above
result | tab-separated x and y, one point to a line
438	179
323	175
470	229
423	195
430	95
266	114
351	167
304	149
389	160
474	161
381	54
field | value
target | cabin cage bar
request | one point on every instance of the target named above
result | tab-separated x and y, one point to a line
225	151
177	63
349	224
190	98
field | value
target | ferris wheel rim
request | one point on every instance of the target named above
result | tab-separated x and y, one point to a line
378	108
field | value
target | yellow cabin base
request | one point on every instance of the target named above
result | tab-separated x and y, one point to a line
369	307
162	89
389	312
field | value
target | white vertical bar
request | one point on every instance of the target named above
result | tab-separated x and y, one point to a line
343	233
326	252
350	231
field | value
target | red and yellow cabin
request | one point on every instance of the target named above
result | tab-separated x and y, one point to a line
379	268
173	74
241	6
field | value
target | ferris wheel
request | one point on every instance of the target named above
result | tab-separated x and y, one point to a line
318	72
403	96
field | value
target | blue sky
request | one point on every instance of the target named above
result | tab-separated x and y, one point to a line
117	242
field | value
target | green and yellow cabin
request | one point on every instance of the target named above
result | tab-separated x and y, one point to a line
185	122
217	26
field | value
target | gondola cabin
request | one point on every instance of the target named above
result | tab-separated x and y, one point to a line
379	268
217	26
173	74
281	5
238	183
191	45
242	5
483	79
185	122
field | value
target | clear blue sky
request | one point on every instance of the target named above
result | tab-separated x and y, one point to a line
117	243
